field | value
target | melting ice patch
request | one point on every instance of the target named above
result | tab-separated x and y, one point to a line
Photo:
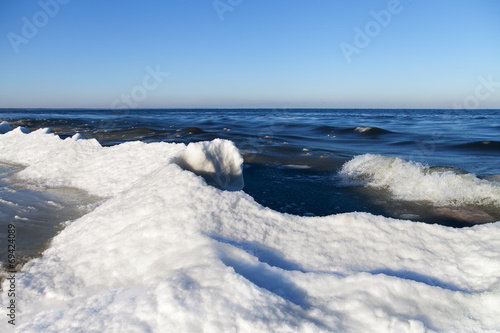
415	182
165	252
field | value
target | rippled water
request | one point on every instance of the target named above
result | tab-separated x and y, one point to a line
292	157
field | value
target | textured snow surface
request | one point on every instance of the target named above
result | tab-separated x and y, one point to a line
165	252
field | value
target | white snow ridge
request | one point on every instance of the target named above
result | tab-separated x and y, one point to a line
166	252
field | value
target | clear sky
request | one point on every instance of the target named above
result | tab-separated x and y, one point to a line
250	53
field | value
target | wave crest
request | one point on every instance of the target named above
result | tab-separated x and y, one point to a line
416	182
370	130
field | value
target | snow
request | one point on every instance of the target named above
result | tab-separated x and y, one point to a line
165	252
218	161
414	181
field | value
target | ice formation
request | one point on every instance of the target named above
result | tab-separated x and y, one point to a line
218	161
168	253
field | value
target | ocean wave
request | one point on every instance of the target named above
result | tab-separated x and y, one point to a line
481	146
370	130
416	182
359	130
137	131
4	127
326	129
281	156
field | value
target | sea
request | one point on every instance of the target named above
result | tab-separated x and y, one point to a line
294	161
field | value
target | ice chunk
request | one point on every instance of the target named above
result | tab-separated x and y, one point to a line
219	162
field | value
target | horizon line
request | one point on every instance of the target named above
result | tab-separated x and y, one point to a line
239	108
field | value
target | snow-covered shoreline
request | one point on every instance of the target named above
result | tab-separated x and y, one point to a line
167	252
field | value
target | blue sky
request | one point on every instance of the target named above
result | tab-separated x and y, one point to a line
250	53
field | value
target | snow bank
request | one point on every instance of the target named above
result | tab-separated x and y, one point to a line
167	253
415	182
106	171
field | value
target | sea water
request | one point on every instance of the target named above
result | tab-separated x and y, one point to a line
294	159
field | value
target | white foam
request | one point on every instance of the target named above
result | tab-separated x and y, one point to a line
296	166
168	253
415	182
362	129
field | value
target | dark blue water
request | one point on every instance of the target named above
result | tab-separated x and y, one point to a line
292	157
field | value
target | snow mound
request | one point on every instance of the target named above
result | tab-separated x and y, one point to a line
165	252
218	162
414	181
